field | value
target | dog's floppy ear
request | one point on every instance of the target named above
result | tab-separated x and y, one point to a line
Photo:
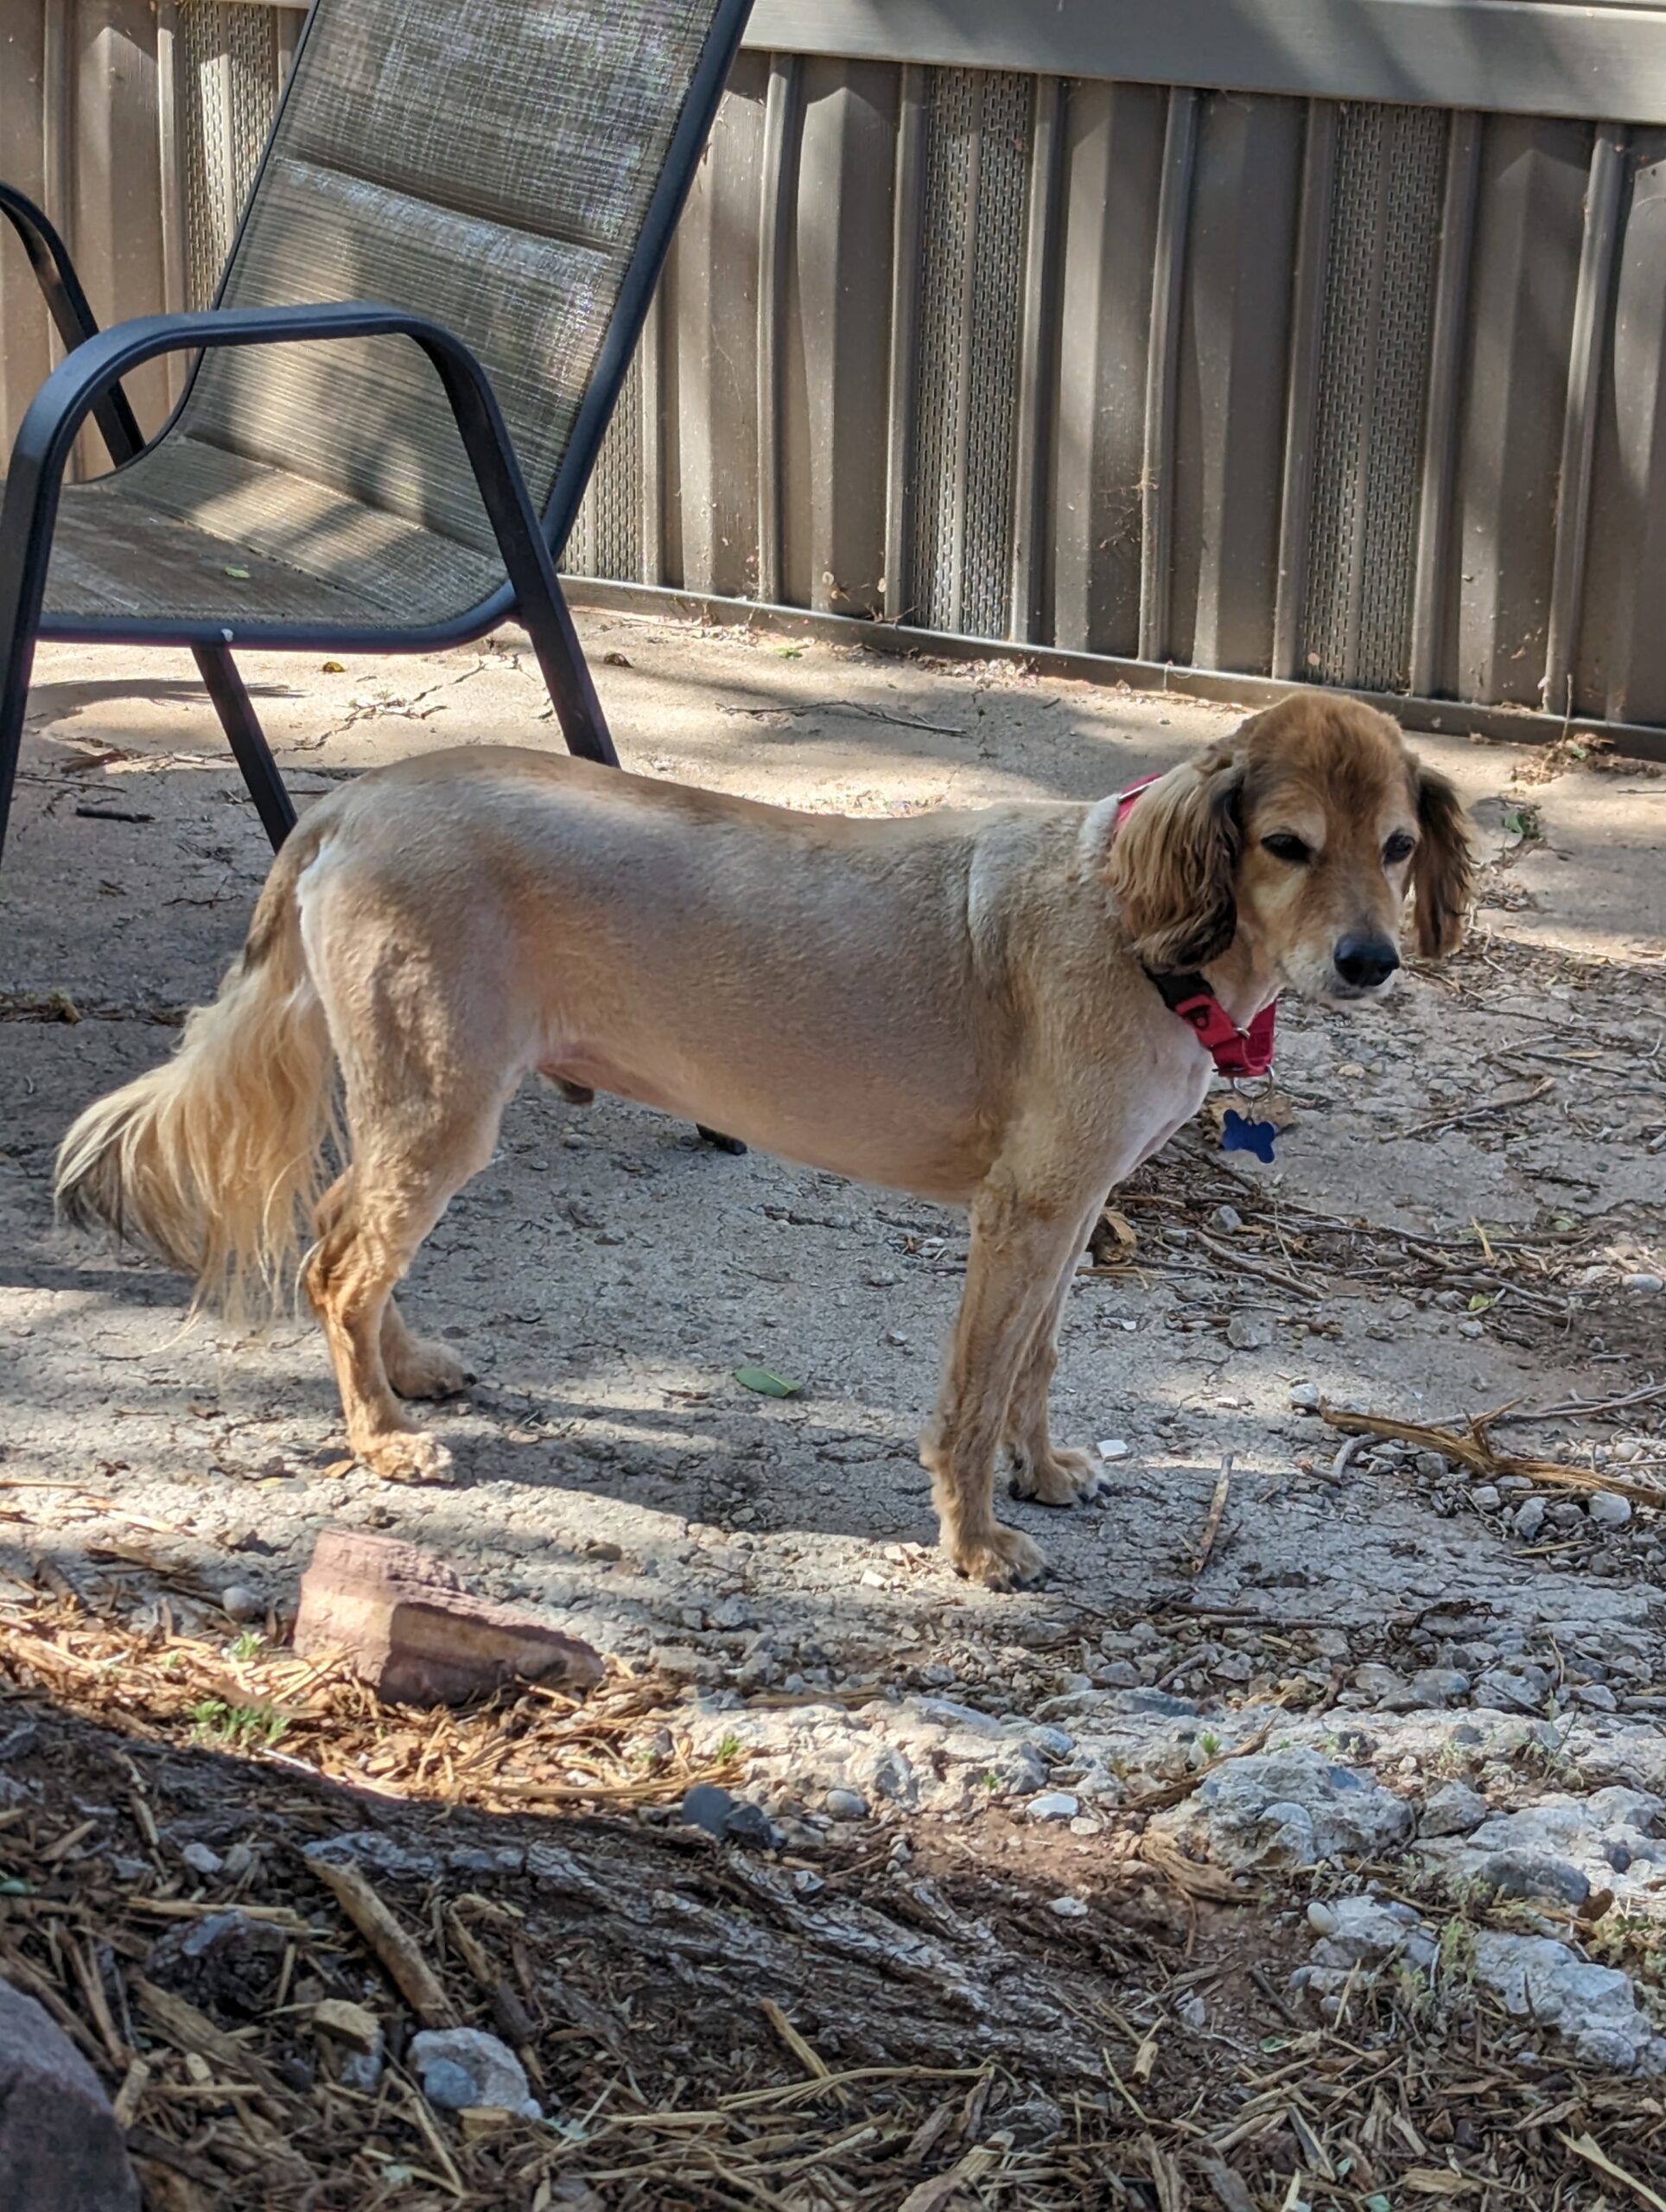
1443	871
1172	863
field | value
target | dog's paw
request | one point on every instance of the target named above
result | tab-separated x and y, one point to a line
422	1369
1003	1559
409	1456
1058	1478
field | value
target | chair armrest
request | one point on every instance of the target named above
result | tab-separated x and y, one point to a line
54	416
68	304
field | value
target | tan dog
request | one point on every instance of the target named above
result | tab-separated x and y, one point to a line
953	1005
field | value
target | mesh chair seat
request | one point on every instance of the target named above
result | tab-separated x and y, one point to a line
190	532
483	196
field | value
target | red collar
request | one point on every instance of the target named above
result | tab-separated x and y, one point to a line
1235	1052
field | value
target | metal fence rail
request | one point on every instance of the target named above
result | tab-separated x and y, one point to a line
1363	391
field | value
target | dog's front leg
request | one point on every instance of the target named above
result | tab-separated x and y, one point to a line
1024	1236
1041	1469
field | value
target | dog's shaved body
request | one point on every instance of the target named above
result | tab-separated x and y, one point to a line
952	1004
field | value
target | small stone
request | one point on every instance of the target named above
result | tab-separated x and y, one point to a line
1453	1809
461	2067
1193	2012
1229	1218
1377	1681
1245	1333
1644	1282
1113	1448
807	1882
1085	1824
239	1601
415	1634
201	1859
1434	1466
1486	1496
61	2147
1053	1805
1534	1874
1470	1329
1069	1908
1322	1918
1608	1509
1305	1397
1439	1685
846	1805
1528	1519
1597	1697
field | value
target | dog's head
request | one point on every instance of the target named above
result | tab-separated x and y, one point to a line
1304	832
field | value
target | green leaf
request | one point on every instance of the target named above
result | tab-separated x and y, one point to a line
1377	2203
1482	1300
14	1886
242	575
766	1383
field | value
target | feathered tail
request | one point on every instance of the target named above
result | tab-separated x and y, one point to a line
215	1159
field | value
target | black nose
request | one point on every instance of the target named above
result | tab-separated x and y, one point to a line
1365	962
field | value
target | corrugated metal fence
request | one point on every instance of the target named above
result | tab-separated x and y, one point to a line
1363	391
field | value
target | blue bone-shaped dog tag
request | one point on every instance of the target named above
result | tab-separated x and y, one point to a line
1239	1136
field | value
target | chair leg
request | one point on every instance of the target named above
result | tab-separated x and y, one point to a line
567	673
14	699
248	740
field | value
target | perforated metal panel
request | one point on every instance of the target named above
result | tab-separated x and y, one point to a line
225	94
971	319
1373	395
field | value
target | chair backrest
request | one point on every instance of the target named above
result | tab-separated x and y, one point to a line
499	165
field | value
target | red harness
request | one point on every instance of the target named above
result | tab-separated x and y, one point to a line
1234	1051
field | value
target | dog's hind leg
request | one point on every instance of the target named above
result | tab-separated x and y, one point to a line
1041	1469
417	1366
1023	1239
371	1223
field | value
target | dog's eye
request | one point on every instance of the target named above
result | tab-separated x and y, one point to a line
1283	847
1400	847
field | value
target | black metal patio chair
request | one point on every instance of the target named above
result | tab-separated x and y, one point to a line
495	187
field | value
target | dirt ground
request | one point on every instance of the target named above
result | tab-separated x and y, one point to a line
1466	1213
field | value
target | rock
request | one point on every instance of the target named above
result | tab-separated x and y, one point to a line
461	2067
1434	1465
1364	1933
1484	1495
493	1859
1540	1980
1305	1397
227	1965
1439	1685
1053	1805
846	1805
201	1859
1069	1908
381	1853
239	1601
60	2148
1113	1448
1644	1282
1597	1697
1454	1810
1229	1218
1287	1808
1529	1874
1377	1681
1608	1509
1507	1690
1245	1334
1528	1518
413	1631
